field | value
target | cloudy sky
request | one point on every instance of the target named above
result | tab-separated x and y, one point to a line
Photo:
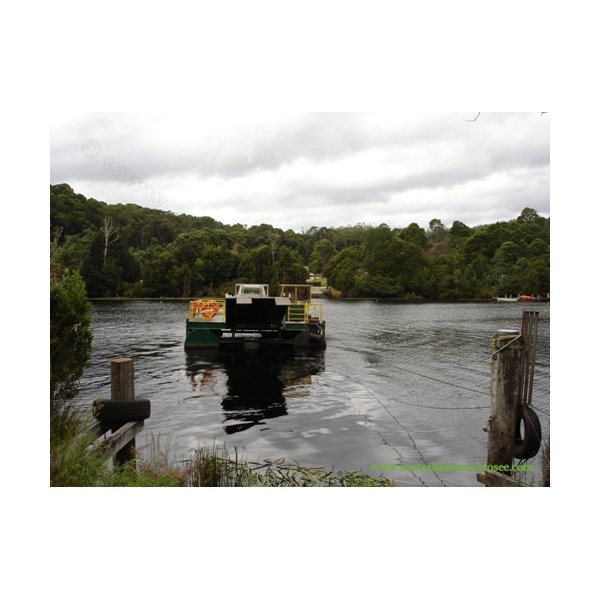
299	170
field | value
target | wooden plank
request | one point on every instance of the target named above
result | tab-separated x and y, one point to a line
97	430
529	326
120	438
492	479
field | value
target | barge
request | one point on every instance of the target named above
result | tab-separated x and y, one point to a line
252	319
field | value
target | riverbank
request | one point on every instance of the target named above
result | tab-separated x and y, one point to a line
412	300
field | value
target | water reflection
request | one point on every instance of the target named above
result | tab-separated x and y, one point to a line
259	384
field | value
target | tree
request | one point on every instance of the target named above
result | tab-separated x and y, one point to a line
215	265
323	250
412	266
343	269
273	239
528	215
70	331
290	267
110	231
459	230
154	271
415	234
380	252
437	230
255	265
142	252
538	248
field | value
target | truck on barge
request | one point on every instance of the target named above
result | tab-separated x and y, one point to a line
252	319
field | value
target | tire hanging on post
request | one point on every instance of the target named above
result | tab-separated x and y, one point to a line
529	445
115	410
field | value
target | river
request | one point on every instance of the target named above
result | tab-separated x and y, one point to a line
399	384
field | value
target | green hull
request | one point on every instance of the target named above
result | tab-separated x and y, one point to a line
305	336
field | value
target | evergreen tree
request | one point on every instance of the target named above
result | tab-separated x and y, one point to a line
70	330
141	252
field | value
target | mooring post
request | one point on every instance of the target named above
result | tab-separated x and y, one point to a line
505	396
121	379
121	389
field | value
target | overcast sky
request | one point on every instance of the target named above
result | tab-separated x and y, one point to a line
300	170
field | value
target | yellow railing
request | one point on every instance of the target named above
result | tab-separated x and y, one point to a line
207	309
302	312
297	312
315	311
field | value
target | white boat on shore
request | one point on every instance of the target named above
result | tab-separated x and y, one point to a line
523	299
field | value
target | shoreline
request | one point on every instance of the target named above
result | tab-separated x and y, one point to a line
353	299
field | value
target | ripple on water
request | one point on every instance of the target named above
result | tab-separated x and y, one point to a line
398	384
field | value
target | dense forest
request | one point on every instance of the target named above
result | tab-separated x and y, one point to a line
132	251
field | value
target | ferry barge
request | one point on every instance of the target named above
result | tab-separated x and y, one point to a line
252	319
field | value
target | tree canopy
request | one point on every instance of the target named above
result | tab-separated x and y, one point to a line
131	251
70	329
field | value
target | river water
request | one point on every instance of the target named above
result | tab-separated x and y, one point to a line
399	384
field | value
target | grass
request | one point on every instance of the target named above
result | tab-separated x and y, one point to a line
71	462
214	467
75	462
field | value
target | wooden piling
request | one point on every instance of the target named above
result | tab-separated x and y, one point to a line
125	418
529	327
122	389
506	375
121	379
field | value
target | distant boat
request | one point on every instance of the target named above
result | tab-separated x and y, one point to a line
523	298
537	298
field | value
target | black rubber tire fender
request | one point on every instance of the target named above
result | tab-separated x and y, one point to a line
117	410
529	445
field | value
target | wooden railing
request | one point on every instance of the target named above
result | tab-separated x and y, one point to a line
115	415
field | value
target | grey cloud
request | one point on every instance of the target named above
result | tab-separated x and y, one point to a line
335	166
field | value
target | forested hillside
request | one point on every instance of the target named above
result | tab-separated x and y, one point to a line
131	251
